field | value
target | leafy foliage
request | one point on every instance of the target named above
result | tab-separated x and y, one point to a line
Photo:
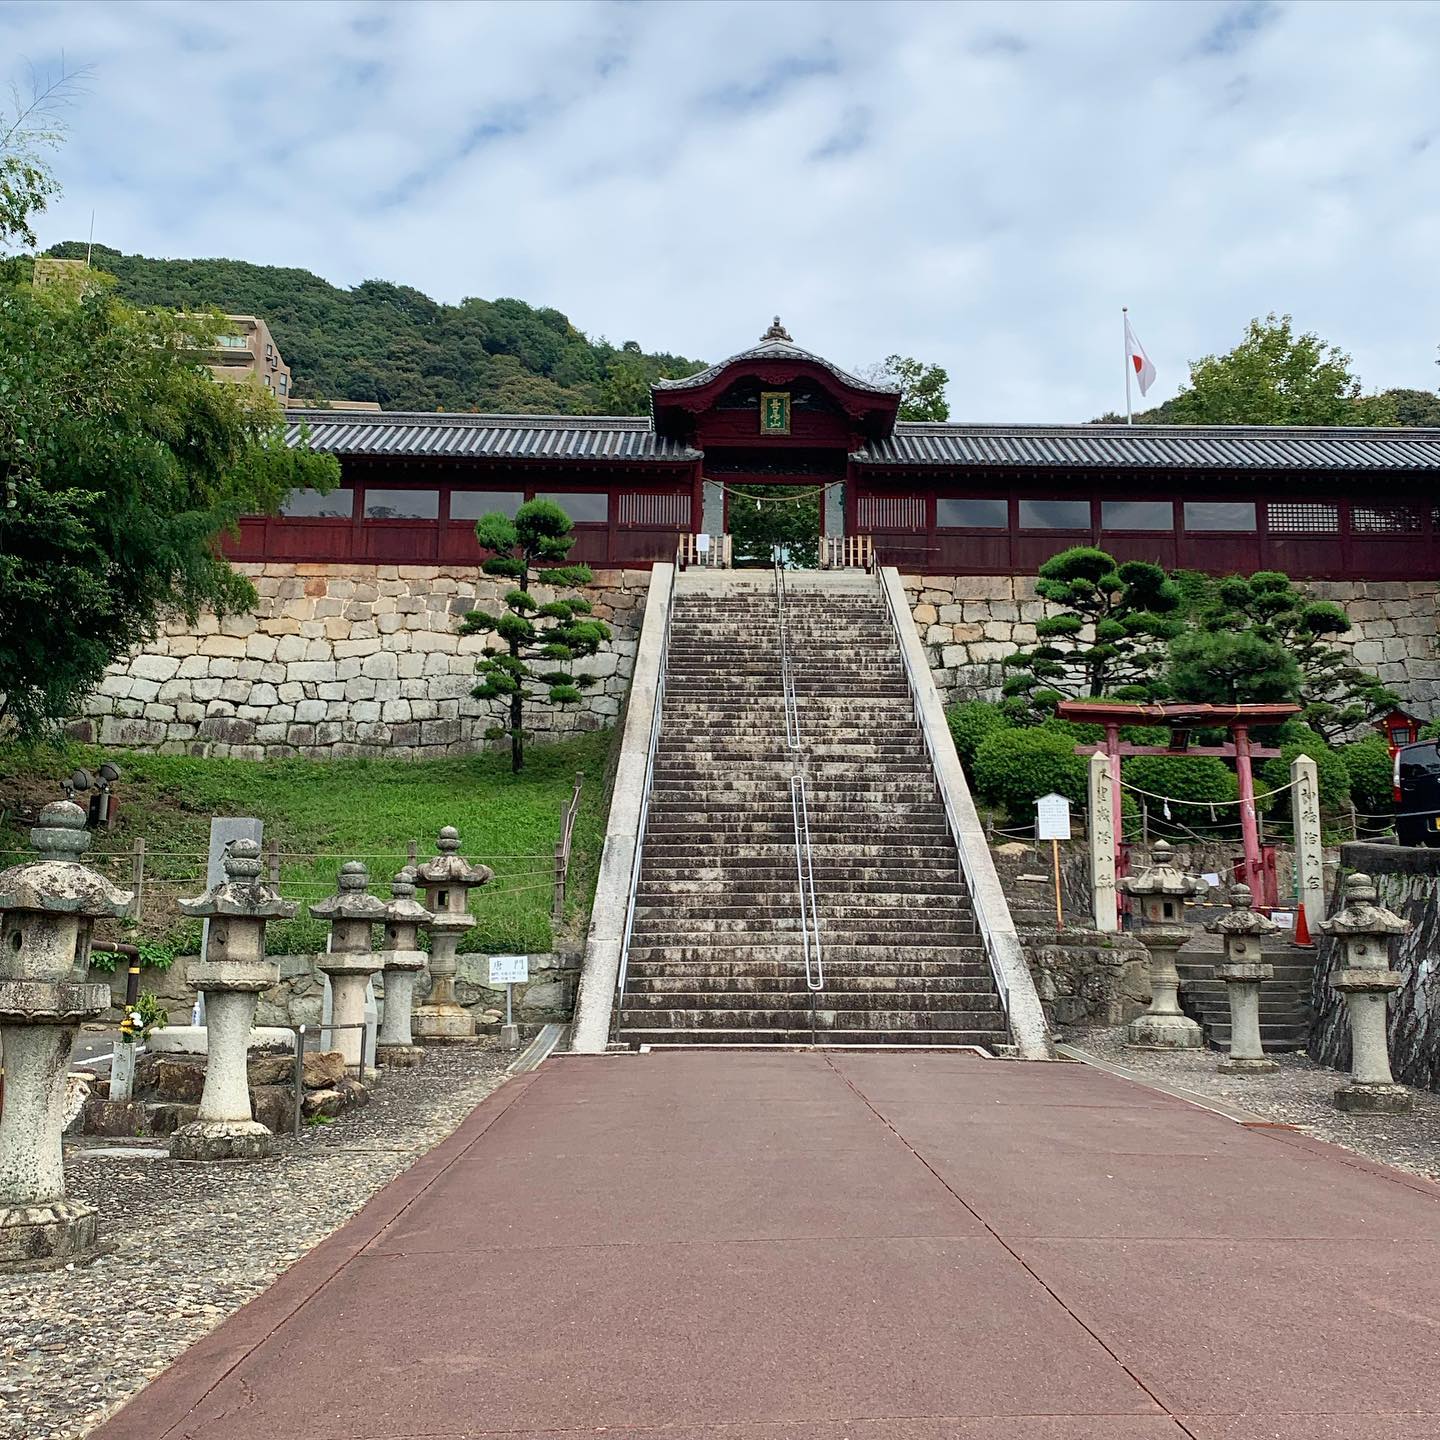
763	516
922	386
34	125
1197	778
1275	617
395	345
1013	768
556	631
1372	773
1108	639
973	723
121	460
1330	769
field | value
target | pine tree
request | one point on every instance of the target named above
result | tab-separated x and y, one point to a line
530	548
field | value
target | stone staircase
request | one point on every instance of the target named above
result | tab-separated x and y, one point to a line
1285	1006
716	949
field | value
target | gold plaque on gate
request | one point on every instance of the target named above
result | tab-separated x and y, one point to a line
774	412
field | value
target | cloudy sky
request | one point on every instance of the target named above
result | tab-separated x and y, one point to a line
978	185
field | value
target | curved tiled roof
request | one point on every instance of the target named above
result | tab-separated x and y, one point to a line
499	437
775	350
1208	447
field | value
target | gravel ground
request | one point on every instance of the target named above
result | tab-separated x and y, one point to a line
192	1243
1300	1094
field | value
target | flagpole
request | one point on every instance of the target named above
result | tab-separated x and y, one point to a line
1125	318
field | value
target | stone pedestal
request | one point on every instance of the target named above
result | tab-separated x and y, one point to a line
1364	930
447	880
1162	890
49	909
403	961
1243	973
231	975
352	958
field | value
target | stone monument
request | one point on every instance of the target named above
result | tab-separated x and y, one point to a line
1243	973
403	960
352	958
1363	930
231	975
1162	891
48	908
447	879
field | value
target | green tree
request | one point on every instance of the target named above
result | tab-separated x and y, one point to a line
1336	695
763	516
34	125
1226	667
1108	638
121	461
532	547
922	386
1277	377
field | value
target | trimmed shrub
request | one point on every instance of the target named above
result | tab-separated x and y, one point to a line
1188	780
1330	770
1014	768
972	723
1372	775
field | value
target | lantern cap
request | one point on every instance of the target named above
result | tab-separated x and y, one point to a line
57	883
242	894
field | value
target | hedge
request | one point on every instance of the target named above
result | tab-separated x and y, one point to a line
972	723
1014	768
1198	778
1372	775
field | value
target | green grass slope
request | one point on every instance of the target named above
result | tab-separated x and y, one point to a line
326	812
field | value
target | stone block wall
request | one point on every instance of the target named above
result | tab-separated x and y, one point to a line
343	660
969	623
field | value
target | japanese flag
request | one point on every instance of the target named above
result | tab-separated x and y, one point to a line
1135	352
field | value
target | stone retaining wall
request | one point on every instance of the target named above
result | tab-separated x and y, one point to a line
342	660
365	660
969	623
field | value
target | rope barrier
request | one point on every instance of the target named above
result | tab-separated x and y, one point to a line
1175	800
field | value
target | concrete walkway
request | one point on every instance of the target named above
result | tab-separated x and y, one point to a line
727	1246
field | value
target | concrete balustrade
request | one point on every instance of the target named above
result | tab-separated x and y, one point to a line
48	909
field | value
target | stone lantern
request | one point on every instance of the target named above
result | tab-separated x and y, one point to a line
447	879
1365	978
352	958
231	974
50	906
1243	972
1162	891
403	959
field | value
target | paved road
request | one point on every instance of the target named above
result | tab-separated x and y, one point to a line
712	1246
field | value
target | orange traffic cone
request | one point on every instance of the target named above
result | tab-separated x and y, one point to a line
1302	929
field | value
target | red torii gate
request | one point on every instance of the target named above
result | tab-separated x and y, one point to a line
1182	719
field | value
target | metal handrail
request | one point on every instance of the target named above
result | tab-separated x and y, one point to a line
799	803
660	685
805	882
950	817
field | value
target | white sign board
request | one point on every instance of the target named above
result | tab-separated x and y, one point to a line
1285	919
702	544
509	969
1052	818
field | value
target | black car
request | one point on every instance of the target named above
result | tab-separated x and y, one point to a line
1417	793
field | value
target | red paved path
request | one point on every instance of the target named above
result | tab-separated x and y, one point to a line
709	1246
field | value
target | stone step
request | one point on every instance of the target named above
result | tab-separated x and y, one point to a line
838	969
826	1017
976	979
972	998
794	1039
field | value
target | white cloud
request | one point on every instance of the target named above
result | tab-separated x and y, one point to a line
980	185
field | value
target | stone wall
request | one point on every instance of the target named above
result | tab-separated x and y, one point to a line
971	622
341	660
365	659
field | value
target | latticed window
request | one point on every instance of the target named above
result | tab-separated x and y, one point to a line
1385	519
1304	517
892	512
670	512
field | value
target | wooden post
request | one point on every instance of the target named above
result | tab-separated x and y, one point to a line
273	851
412	851
1059	911
1249	831
137	879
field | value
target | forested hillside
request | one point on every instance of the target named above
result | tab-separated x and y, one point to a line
392	344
